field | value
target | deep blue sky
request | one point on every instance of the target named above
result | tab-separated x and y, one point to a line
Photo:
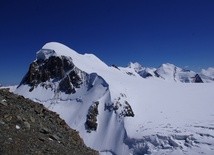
151	32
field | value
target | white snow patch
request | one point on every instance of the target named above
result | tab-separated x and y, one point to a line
18	127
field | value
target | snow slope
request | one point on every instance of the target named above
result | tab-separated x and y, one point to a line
168	117
207	74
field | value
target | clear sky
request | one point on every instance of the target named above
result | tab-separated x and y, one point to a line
150	32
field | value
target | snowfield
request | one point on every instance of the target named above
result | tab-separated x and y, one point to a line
168	117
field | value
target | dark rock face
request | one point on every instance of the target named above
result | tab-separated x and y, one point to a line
70	82
27	127
56	69
156	74
115	66
145	74
129	73
197	79
127	110
91	120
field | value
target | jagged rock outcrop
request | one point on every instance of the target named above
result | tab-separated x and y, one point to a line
91	120
127	110
27	127
54	69
197	79
121	107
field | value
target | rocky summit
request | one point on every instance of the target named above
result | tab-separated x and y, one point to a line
54	68
27	127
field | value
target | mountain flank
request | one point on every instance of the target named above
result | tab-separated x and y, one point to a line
27	127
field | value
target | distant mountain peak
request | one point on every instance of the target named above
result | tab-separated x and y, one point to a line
136	66
168	65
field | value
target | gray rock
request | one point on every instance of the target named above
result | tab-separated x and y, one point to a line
27	125
54	137
32	119
24	131
19	118
44	130
2	122
3	102
8	117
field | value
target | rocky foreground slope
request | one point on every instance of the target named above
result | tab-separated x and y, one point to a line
27	127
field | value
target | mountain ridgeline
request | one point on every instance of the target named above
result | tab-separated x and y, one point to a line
171	72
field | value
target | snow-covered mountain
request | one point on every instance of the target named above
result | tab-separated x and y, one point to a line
171	72
118	110
144	72
207	75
